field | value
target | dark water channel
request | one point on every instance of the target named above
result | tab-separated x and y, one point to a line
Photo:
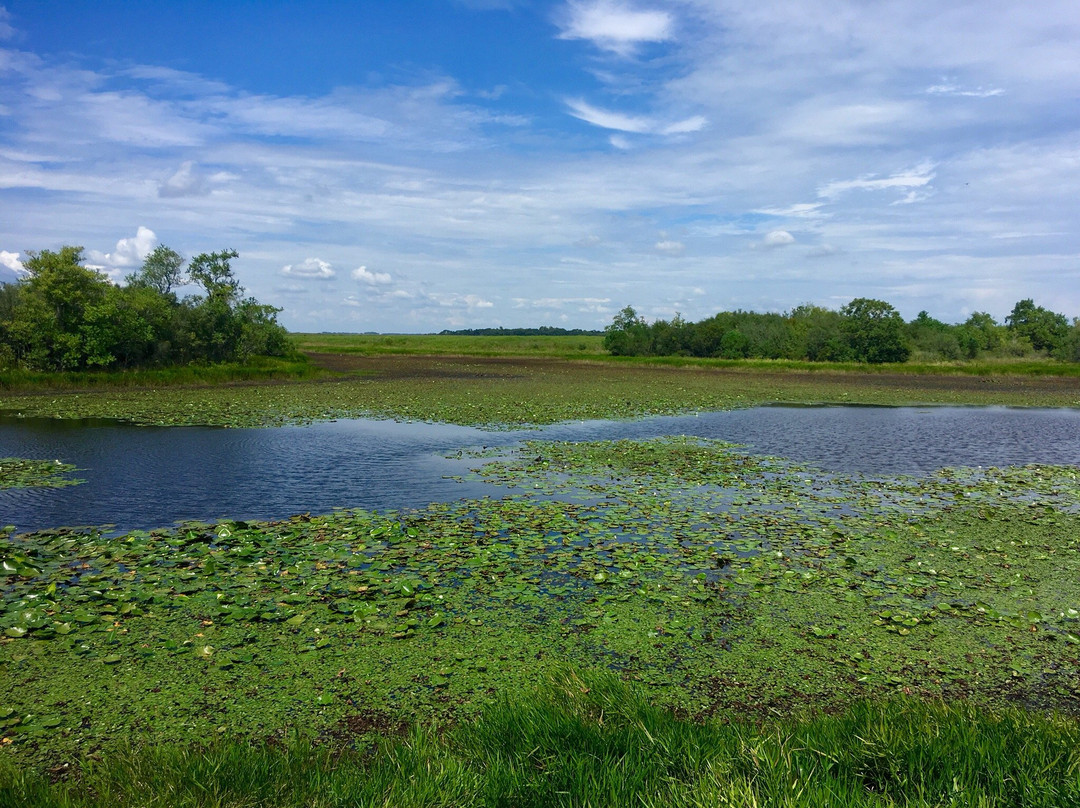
143	477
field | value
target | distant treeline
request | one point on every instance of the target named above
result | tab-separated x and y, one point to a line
65	316
542	331
864	330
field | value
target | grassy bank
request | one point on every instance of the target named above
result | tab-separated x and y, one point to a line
592	740
257	369
579	347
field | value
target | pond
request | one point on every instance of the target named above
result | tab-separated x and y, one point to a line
145	477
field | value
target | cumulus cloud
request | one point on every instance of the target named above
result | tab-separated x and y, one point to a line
778	238
312	269
371	278
615	26
11	260
129	252
186	181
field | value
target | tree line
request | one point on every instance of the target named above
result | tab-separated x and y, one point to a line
65	316
864	330
542	331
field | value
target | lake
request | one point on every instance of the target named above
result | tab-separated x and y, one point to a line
145	477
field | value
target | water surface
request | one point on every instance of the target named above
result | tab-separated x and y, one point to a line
144	477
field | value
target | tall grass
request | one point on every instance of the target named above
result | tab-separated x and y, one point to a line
591	740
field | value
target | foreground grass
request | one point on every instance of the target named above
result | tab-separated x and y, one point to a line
591	740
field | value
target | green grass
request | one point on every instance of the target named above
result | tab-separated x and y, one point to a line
591	347
579	347
258	369
591	740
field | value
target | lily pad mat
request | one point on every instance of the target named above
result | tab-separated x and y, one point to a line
728	583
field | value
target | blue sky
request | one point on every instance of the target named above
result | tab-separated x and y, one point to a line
426	164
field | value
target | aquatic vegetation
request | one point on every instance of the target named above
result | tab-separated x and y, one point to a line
17	472
515	392
724	583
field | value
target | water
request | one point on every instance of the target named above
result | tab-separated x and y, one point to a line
144	477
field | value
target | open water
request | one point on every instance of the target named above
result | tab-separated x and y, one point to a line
145	477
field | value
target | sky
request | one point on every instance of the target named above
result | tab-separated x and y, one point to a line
419	165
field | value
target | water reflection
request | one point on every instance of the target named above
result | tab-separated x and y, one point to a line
150	476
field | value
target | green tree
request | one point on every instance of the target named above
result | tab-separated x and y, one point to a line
875	331
59	303
162	271
628	334
1046	330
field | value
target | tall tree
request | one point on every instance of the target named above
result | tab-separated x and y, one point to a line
875	331
163	270
1045	329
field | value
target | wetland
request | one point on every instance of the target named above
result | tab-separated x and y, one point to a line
731	566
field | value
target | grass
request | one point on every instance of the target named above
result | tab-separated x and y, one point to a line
591	348
592	740
577	347
258	369
505	391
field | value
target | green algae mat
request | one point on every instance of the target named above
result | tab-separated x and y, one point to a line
723	583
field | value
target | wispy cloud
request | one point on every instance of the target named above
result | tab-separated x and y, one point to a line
636	124
954	89
917	177
614	26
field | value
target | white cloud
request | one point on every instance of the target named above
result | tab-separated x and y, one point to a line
918	177
309	269
185	181
615	26
11	259
635	124
590	240
607	119
778	238
455	300
806	210
670	247
371	278
684	127
954	89
129	252
583	304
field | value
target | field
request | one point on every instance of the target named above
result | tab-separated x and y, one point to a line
766	633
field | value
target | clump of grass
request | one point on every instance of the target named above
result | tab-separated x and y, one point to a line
590	739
